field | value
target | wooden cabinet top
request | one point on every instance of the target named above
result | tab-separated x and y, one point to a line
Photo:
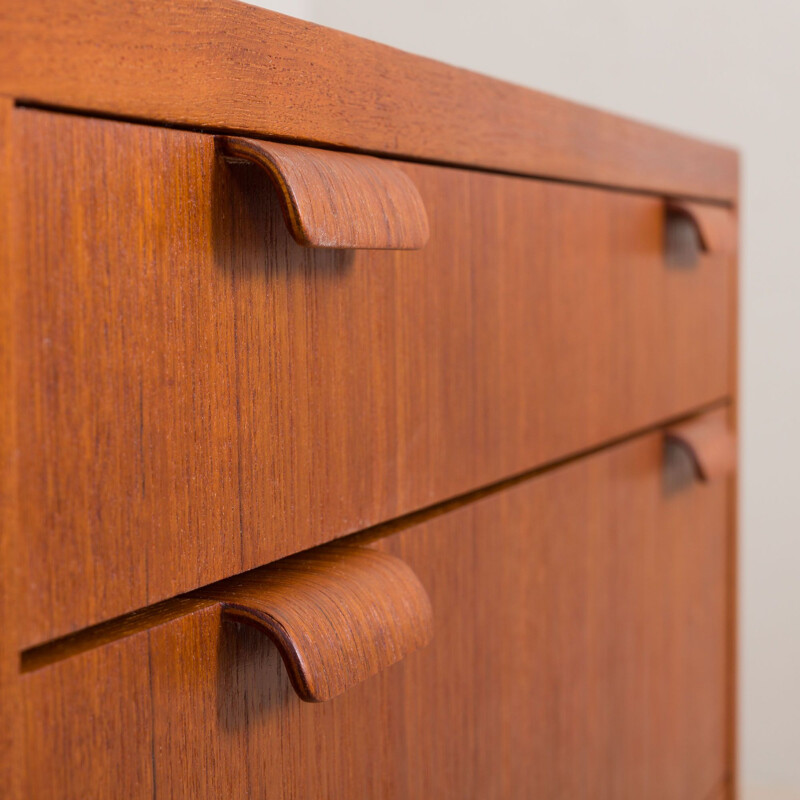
224	66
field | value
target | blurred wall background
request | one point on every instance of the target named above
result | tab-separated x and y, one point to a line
724	70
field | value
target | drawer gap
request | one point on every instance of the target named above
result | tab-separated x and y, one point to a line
63	647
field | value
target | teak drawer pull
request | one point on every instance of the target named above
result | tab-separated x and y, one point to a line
337	613
338	200
709	441
715	225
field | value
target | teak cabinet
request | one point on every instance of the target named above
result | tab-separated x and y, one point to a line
353	448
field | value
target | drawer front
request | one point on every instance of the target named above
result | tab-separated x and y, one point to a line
199	395
579	650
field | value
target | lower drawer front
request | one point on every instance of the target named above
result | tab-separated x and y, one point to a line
199	395
579	651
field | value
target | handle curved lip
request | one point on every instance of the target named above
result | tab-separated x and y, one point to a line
715	225
337	200
710	443
293	660
337	614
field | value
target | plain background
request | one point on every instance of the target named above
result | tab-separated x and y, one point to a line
724	70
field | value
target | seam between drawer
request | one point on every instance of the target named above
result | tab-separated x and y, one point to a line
215	131
150	617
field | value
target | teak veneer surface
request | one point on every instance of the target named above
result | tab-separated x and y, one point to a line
579	652
228	66
201	395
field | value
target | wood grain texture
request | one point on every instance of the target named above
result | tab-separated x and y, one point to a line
87	639
91	736
226	65
10	577
710	441
338	200
202	396
716	226
338	614
580	652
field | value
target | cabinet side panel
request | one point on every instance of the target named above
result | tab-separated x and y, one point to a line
9	739
733	535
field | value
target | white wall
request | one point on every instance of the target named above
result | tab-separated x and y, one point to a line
726	70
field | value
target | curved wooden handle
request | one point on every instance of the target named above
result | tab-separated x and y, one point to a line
338	200
338	614
709	441
715	225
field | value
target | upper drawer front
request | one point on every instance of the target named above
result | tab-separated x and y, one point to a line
200	395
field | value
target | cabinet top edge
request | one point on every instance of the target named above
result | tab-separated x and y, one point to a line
225	66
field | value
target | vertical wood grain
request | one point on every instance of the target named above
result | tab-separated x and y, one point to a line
203	396
580	652
88	726
133	415
11	752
